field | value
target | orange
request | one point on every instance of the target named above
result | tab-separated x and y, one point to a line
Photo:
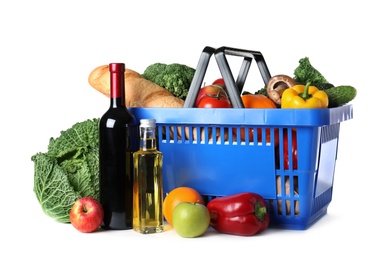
177	195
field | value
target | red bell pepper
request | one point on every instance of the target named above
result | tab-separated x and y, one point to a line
243	214
286	152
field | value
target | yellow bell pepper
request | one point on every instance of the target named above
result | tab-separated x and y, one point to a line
301	96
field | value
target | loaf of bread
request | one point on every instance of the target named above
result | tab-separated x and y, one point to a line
139	91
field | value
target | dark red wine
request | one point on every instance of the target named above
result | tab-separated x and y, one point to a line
118	139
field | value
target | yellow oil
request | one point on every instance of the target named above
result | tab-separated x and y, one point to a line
147	191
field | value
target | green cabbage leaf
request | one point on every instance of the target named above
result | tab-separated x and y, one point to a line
69	169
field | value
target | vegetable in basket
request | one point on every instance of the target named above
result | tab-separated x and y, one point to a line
287	152
69	170
340	95
217	100
175	77
262	91
305	72
258	101
337	96
242	214
301	96
277	85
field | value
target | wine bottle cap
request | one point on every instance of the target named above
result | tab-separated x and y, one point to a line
117	67
148	122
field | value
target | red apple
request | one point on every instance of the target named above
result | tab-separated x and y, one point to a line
86	214
210	90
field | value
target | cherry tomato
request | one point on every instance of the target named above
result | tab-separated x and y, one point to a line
214	101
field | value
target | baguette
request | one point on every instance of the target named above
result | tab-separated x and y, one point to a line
139	92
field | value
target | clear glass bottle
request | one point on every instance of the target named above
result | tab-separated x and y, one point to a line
118	140
147	190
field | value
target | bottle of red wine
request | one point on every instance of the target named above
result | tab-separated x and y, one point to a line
118	139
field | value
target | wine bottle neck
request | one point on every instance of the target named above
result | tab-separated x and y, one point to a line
117	102
117	84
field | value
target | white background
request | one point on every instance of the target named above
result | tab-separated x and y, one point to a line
48	49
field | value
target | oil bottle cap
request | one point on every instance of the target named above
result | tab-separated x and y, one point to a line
148	122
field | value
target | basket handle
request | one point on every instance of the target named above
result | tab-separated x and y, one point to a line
198	76
234	88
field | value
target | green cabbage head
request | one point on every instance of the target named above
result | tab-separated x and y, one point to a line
69	169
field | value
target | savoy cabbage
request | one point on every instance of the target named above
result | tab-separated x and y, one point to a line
68	170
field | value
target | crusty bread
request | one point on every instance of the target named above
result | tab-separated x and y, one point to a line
139	91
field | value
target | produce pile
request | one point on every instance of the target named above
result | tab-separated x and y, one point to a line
68	171
167	85
306	74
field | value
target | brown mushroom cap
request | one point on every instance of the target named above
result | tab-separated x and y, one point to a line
276	85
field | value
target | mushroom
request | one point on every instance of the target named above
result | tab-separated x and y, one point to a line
276	85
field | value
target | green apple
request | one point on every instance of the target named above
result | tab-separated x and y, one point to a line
190	219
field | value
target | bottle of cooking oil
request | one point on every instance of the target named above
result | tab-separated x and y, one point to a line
147	190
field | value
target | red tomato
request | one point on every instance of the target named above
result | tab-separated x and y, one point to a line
214	101
211	90
219	81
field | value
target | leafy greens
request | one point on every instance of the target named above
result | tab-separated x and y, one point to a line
69	169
